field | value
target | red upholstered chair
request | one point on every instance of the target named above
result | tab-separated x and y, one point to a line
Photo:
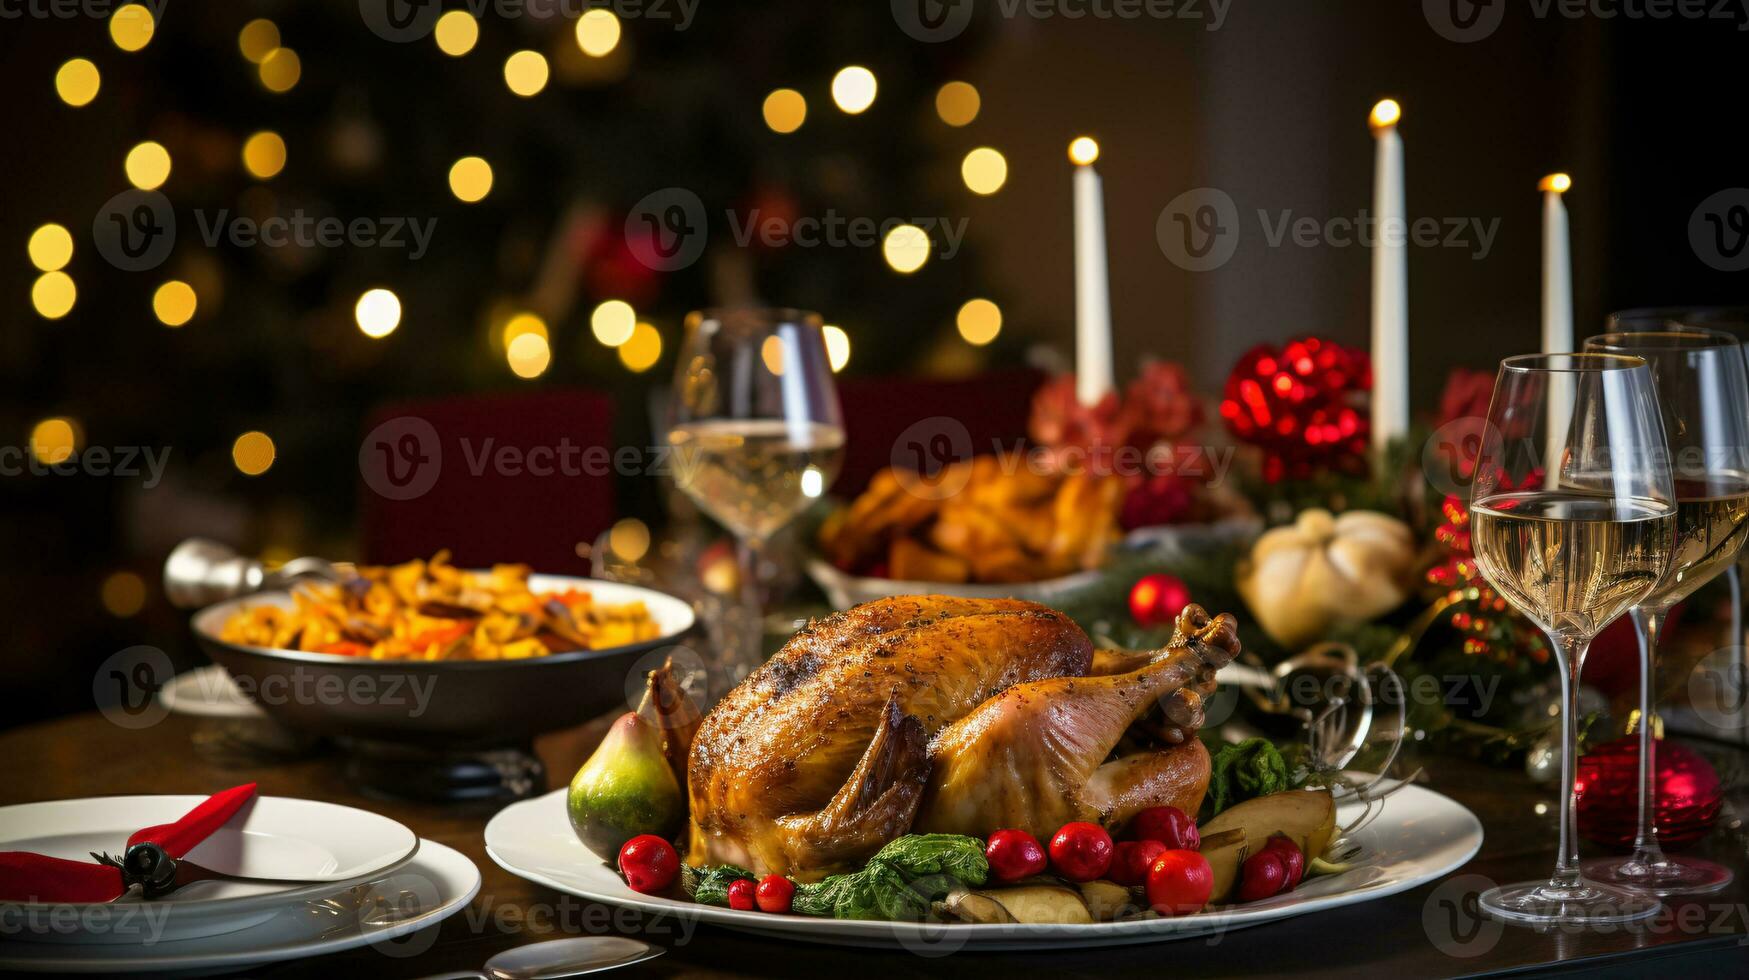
512	477
992	408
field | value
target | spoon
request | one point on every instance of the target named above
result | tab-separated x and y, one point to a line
562	958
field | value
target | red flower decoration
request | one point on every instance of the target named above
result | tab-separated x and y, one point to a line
1304	405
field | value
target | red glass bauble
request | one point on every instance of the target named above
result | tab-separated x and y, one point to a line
1157	599
1689	793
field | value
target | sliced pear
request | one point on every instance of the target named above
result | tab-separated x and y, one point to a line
1042	904
1107	901
1307	817
1225	852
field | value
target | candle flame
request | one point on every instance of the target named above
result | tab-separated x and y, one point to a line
1385	114
1083	151
1559	183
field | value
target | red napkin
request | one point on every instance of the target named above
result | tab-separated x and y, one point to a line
28	877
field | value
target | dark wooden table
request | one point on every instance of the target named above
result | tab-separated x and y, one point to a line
1420	933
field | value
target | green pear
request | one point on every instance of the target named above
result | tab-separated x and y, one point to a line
625	789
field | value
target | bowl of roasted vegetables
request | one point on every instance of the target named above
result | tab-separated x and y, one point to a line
430	653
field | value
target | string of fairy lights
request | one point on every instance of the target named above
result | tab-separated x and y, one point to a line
522	337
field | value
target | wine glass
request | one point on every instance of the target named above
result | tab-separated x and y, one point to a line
1572	516
757	438
1703	394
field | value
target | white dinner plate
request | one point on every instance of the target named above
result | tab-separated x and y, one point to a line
433	886
1418	837
325	844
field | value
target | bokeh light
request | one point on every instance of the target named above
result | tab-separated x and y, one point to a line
526	72
598	32
77	82
785	110
771	352
258	39
853	89
123	594
522	323
643	349
837	347
281	69
54	440
1083	150
174	303
529	355
984	170
53	295
470	179
252	453
51	247
957	103
456	33
131	27
264	154
629	540
906	248
148	165
1386	113
613	322
377	312
979	321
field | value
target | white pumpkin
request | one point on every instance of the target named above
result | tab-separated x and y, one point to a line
1320	572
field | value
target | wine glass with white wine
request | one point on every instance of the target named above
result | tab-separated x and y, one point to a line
1572	519
1703	395
757	438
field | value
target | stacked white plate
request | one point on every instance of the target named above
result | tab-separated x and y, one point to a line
363	879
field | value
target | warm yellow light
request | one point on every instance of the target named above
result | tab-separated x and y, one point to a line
613	322
77	82
1083	150
257	39
174	303
252	453
629	540
280	69
957	103
906	248
526	72
378	313
984	170
131	27
529	355
123	594
642	350
520	324
470	179
456	32
598	32
1559	183
148	165
51	247
53	295
771	352
54	440
264	154
1386	113
837	347
853	89
785	110
980	321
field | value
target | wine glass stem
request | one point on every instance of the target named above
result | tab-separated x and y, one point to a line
1646	850
1570	653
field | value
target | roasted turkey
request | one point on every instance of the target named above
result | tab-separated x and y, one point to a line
942	714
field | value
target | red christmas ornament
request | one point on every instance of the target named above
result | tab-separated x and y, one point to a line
1304	405
1164	498
1157	599
1689	794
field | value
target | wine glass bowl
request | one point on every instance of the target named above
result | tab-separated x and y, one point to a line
1572	513
1703	395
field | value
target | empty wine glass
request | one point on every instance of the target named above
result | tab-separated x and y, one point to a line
1572	513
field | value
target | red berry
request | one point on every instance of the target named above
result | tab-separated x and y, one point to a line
1293	860
1132	859
774	893
1262	875
1014	854
649	864
741	894
1081	851
1180	883
1168	825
